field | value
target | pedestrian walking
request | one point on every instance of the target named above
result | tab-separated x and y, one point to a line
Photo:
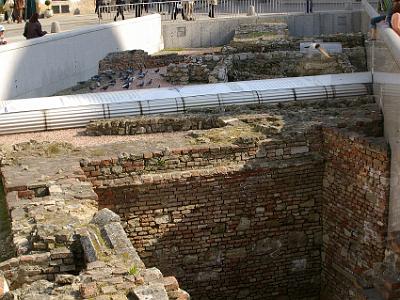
212	4
8	8
309	6
98	8
19	7
138	7
120	9
176	8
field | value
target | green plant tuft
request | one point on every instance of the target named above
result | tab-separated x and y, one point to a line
133	270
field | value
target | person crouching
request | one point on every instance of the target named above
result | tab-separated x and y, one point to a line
33	28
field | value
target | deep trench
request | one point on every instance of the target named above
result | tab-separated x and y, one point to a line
282	231
6	249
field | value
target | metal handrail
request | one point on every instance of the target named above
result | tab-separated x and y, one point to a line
170	9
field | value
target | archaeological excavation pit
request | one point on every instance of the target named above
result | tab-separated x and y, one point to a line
250	203
285	201
257	208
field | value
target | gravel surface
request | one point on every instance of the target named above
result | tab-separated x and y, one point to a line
98	145
77	138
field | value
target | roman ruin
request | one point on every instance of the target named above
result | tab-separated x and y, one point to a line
285	200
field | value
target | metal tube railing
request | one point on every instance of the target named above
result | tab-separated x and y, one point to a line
169	10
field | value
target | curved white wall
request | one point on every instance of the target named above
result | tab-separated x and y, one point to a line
384	62
43	66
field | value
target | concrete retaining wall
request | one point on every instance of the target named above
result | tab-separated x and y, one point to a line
43	66
206	33
324	23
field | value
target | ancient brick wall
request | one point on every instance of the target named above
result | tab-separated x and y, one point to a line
229	222
289	217
354	211
230	233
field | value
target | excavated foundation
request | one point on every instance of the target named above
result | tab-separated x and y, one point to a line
275	205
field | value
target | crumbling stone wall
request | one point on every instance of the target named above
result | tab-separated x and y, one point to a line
142	125
252	66
121	61
354	211
65	248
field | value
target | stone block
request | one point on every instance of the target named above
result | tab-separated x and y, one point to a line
89	246
190	259
61	252
299	150
108	289
4	288
88	290
267	246
64	279
299	264
105	216
67	268
244	224
152	275
150	291
171	284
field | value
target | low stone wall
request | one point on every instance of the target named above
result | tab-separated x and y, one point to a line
26	269
248	41
252	66
121	61
189	158
146	125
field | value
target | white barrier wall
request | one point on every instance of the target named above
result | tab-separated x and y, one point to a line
43	66
384	62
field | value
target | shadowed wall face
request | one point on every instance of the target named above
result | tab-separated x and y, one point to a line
240	234
354	213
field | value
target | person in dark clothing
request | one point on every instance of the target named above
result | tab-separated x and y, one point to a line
19	7
138	8
309	6
176	9
33	28
146	6
120	9
98	4
212	4
30	8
